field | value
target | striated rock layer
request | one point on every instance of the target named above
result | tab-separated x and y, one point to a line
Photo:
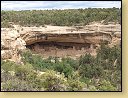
58	38
93	33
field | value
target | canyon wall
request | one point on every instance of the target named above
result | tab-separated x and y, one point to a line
11	43
15	39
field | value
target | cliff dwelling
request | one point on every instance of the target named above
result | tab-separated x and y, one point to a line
63	45
61	49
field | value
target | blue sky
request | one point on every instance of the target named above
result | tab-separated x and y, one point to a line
37	5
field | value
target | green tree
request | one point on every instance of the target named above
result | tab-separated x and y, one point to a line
53	81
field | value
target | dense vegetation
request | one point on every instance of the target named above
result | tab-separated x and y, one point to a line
67	17
88	73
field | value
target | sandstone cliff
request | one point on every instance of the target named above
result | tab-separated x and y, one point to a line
95	33
16	39
11	43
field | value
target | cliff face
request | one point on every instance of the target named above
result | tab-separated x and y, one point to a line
93	33
92	38
11	43
84	36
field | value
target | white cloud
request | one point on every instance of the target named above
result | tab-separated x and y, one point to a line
29	5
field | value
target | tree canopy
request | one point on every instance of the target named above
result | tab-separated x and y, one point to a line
67	17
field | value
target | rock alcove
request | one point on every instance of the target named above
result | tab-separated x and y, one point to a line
61	49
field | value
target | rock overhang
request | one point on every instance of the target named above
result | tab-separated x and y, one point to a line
95	38
25	36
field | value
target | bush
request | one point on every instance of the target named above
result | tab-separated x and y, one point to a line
106	86
106	56
73	63
75	85
63	68
37	61
5	24
74	82
86	59
8	65
22	71
5	76
89	68
53	81
23	75
17	85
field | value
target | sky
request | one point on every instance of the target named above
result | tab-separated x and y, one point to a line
43	5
